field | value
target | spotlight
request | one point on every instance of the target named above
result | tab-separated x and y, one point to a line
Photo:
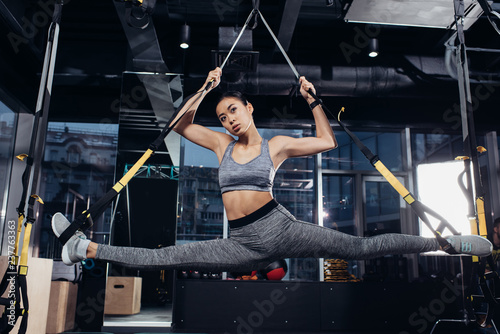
185	36
373	48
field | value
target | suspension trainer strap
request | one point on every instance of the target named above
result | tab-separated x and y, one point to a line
294	70
252	13
419	208
84	220
477	216
14	279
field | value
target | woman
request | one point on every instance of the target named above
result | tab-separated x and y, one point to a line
262	231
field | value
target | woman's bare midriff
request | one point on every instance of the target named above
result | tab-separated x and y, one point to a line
241	203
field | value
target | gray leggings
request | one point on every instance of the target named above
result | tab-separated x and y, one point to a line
276	235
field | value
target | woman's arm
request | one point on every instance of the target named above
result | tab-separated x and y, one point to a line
288	147
198	134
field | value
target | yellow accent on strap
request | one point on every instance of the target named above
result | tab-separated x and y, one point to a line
409	199
26	243
481	217
473	230
393	180
23	270
38	199
22	156
473	226
341	111
462	157
18	234
130	174
481	149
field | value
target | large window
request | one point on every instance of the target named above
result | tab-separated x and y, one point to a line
429	148
201	213
338	203
7	135
347	156
78	169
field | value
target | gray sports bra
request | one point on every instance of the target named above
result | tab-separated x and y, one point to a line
257	174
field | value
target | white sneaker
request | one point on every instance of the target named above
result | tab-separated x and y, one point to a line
74	250
470	244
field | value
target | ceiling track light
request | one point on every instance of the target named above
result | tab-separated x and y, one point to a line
373	49
185	36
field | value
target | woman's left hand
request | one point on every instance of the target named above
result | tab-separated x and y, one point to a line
304	89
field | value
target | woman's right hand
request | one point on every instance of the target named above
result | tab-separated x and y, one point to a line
214	76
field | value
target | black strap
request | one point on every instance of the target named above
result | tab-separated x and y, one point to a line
84	220
418	207
25	310
12	303
29	182
472	166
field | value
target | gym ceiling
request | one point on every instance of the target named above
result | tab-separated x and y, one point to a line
411	82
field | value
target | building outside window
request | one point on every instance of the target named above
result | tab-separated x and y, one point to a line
79	179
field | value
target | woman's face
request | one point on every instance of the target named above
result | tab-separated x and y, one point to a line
234	115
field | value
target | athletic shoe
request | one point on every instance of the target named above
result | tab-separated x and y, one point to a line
470	244
75	249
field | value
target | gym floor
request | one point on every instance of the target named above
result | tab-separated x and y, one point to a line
153	319
159	319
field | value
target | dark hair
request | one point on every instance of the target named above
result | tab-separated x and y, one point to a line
235	94
496	222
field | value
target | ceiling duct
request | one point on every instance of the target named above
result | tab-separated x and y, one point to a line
278	79
415	13
243	59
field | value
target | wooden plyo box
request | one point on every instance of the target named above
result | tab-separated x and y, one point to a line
38	281
62	307
123	295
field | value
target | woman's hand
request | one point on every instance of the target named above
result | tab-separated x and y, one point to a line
304	89
214	76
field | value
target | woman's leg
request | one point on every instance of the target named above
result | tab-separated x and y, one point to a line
302	239
290	238
212	255
243	252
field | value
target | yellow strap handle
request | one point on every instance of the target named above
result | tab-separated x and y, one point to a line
481	217
130	174
26	243
394	182
15	256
